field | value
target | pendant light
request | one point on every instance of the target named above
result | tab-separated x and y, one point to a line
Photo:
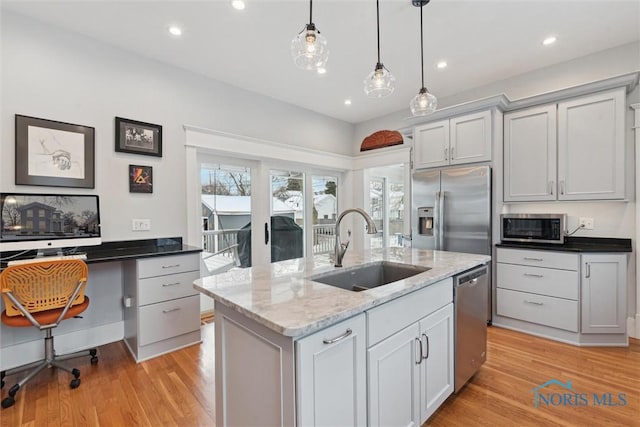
424	102
379	83
309	48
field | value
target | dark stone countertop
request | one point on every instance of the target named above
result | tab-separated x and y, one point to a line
119	250
576	244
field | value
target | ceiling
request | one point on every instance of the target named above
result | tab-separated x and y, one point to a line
481	40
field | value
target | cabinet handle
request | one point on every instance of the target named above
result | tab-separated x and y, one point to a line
452	156
336	339
588	273
171	266
551	187
171	310
170	284
533	302
533	259
446	152
419	343
533	275
562	187
426	356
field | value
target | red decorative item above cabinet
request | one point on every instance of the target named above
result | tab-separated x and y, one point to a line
381	139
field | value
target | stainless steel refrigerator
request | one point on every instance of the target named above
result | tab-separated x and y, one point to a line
451	211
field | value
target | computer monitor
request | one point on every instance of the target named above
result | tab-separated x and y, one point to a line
46	222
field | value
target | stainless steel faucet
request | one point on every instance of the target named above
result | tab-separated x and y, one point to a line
341	248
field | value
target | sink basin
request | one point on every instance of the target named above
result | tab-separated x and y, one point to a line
368	276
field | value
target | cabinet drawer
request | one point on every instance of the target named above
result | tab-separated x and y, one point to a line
159	266
541	281
164	288
395	315
549	311
548	259
168	319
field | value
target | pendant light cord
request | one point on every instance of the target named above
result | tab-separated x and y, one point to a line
378	26
421	46
310	12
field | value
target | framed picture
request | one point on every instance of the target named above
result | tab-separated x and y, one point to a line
138	137
54	154
140	179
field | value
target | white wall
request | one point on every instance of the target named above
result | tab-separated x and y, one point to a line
54	74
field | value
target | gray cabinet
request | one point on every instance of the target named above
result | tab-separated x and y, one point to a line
331	371
604	283
162	309
573	150
460	140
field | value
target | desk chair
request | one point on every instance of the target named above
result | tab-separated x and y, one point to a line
42	294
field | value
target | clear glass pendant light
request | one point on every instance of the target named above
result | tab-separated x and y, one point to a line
309	48
424	102
379	83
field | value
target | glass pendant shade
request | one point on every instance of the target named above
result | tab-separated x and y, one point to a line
379	83
309	49
423	103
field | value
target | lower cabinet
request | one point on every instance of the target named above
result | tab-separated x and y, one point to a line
411	372
604	286
331	369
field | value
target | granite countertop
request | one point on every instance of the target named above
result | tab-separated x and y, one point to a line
576	244
280	297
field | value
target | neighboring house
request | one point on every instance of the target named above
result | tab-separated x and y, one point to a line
39	218
234	212
326	205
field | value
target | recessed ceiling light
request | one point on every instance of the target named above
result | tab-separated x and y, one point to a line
322	70
549	40
175	31
347	102
442	64
238	4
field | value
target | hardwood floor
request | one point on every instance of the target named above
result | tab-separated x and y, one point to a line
178	388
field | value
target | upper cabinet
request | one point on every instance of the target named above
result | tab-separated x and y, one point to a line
464	139
573	150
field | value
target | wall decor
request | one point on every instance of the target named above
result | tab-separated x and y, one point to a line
381	139
140	179
54	154
138	137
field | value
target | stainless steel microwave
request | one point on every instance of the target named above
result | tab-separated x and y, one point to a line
536	228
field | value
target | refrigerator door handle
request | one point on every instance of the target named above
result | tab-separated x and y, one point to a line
436	220
441	220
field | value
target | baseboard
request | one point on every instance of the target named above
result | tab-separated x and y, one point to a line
633	327
31	351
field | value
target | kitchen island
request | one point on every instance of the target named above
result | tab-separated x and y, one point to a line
292	351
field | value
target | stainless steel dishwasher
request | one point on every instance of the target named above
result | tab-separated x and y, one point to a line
470	295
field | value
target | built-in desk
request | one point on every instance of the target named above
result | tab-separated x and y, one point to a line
128	298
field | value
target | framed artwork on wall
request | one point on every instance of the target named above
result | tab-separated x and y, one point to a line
140	179
55	154
138	137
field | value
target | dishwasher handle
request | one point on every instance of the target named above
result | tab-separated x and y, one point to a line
471	278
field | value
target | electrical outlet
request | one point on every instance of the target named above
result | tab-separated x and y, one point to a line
140	224
586	223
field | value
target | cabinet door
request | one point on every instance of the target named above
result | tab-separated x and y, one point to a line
591	147
470	138
431	145
530	154
394	379
604	287
436	369
331	375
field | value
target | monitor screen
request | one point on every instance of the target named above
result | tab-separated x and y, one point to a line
41	221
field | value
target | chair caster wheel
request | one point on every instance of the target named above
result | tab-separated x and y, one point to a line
94	360
93	352
75	372
75	383
8	402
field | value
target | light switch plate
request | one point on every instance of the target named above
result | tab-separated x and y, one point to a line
140	224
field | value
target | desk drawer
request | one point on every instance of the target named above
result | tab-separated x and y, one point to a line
168	319
555	312
162	265
542	281
548	259
164	288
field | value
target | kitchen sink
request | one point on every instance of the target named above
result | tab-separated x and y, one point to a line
368	276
